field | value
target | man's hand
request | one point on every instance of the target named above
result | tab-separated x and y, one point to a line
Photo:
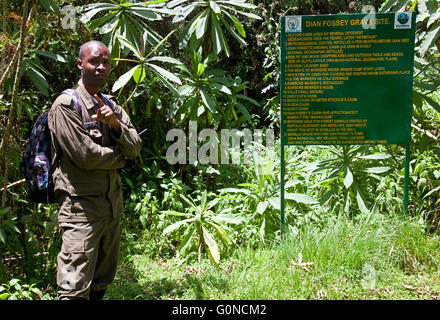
105	115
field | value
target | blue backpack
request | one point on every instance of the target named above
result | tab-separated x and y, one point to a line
36	165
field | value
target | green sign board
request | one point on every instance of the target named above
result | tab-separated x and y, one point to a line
347	79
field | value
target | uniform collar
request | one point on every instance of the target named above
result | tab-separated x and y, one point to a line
85	96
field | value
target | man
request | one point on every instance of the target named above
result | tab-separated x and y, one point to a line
93	146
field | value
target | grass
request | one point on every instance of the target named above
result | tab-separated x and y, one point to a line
372	257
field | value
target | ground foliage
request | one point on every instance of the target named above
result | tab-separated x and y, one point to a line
175	62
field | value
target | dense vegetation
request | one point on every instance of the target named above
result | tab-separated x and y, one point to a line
217	63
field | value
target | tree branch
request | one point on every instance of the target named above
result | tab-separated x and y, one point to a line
429	134
16	183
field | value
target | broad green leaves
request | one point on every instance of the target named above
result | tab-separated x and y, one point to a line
207	27
348	167
125	21
146	65
200	221
33	68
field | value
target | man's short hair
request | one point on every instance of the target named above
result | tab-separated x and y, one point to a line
87	44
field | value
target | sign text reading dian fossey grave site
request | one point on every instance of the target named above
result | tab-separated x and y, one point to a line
345	80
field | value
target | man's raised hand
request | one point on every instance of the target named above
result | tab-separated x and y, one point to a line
106	115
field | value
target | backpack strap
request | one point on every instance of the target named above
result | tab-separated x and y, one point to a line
77	101
75	98
107	101
59	153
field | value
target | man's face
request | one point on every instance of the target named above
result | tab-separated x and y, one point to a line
95	65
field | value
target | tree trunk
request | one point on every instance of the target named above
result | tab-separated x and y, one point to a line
13	109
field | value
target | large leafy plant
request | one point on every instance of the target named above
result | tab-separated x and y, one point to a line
197	95
125	20
199	222
427	42
349	170
146	65
205	28
259	199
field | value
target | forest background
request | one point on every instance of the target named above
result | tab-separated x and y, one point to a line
193	230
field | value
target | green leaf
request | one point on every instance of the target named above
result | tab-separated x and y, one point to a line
201	24
214	6
176	225
166	74
235	190
242	96
261	207
146	14
431	192
237	24
262	230
91	12
425	86
376	156
361	203
191	203
52	55
3	235
221	232
167	84
302	198
176	213
250	185
109	26
4	296
417	100
275	202
218	38
203	200
183	12
208	102
129	45
50	5
348	177
429	40
185	90
388	4
97	22
242	4
244	111
122	81
186	241
221	87
228	218
377	170
212	245
247	14
139	74
13	282
37	78
429	100
166	59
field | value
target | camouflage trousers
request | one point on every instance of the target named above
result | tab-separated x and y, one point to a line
88	258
